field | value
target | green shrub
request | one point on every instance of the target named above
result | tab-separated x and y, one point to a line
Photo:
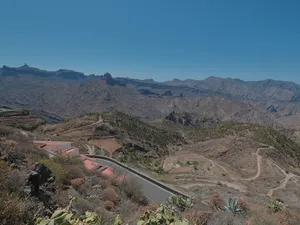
140	130
67	217
259	133
276	205
179	202
59	172
161	216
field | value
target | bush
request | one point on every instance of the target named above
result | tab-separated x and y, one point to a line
75	172
221	218
11	150
217	202
62	198
128	210
162	215
5	131
4	171
16	210
82	205
106	216
133	191
84	189
111	195
198	217
57	169
32	152
16	180
276	205
109	205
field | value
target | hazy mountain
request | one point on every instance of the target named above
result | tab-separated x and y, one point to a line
67	93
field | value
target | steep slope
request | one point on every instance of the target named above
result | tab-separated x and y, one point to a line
66	93
72	97
247	90
222	109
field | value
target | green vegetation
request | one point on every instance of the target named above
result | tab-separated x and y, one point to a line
194	163
232	206
162	215
259	133
59	172
140	130
276	205
67	217
179	202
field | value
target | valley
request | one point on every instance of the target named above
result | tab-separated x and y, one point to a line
202	139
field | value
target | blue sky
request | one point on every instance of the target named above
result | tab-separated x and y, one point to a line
162	39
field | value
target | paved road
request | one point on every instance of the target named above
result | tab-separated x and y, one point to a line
153	192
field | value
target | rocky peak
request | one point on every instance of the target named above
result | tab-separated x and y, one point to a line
107	76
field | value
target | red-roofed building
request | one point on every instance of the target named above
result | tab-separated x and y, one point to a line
65	148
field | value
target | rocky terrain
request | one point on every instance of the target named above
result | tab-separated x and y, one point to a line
214	139
66	93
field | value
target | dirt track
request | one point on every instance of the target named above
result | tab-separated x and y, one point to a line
240	187
80	128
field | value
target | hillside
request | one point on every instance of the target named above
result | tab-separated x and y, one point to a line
211	161
248	90
58	96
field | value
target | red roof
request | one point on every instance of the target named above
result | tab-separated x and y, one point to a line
90	165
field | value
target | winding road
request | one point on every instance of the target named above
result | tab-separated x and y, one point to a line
283	184
100	120
258	172
154	190
288	176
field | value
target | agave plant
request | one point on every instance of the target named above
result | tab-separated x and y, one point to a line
232	206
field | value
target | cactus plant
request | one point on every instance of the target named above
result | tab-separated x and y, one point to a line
118	220
162	216
276	205
65	217
182	203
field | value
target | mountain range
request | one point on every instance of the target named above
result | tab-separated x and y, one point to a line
67	93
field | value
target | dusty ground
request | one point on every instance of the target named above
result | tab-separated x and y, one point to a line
110	145
231	166
291	193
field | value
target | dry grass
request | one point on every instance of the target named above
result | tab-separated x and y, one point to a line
111	195
82	205
133	191
129	211
109	205
216	202
198	217
75	172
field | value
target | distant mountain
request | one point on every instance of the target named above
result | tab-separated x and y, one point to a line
26	70
247	90
66	93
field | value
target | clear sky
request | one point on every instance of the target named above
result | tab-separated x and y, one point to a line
162	39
